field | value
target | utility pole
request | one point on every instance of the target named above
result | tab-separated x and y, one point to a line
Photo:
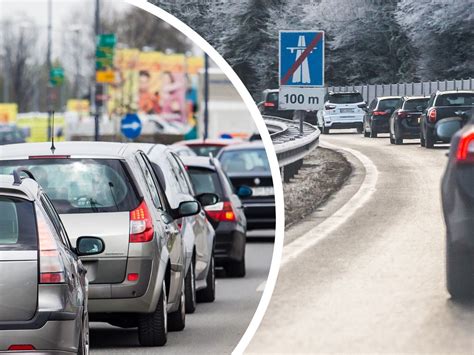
206	96
49	89
98	92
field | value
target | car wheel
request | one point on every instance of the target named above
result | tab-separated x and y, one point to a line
373	132
366	133
396	135
236	268
177	319
190	288
325	129
429	139
459	272
208	294
83	348
422	138
392	140
153	327
359	130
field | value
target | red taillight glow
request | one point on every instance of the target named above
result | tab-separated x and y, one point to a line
432	115
329	107
221	211
379	113
141	227
133	277
20	347
269	104
33	157
465	153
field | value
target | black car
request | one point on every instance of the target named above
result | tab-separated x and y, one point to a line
457	192
377	115
404	121
226	216
247	165
269	105
443	105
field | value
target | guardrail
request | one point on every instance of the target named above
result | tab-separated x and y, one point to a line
290	145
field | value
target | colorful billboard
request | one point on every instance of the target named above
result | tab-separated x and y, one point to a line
8	113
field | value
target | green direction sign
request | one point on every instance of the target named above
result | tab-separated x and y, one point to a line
56	76
105	51
106	40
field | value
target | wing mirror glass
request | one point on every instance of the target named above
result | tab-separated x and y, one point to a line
207	199
244	191
89	246
188	208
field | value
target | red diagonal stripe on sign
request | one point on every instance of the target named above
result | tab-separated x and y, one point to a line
301	58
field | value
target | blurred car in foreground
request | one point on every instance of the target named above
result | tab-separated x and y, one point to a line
341	110
404	121
226	216
442	105
10	134
43	287
378	114
247	165
109	190
204	147
457	194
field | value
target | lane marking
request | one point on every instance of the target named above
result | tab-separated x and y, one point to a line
322	231
261	287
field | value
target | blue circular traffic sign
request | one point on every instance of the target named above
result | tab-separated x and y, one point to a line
131	126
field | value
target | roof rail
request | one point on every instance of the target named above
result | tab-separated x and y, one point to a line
17	180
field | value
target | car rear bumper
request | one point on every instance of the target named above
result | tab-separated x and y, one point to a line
260	215
380	125
230	244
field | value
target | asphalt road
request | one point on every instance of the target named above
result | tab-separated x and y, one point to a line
373	281
215	328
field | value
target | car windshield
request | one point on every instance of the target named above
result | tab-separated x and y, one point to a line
205	150
412	105
205	181
350	98
17	224
458	99
81	185
388	104
245	161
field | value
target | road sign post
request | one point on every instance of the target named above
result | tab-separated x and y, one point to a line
301	71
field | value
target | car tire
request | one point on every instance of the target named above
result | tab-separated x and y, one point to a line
208	294
422	138
236	268
429	139
459	272
177	319
366	133
360	130
153	327
373	133
190	288
326	130
392	140
84	344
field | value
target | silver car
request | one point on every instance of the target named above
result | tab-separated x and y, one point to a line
43	288
109	190
198	233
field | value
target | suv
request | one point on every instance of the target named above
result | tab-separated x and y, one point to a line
377	115
341	110
43	288
109	190
269	105
404	122
442	105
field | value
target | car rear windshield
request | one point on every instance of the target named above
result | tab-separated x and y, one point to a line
458	99
81	185
412	105
272	97
388	104
10	135
350	98
205	150
17	224
205	181
245	161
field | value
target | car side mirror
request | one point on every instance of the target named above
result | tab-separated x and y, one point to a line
188	208
447	128
244	191
86	246
207	199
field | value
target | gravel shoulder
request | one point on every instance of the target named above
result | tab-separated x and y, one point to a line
324	172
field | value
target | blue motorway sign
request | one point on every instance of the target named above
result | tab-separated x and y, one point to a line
131	126
302	58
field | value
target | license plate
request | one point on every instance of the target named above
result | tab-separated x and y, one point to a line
347	110
263	191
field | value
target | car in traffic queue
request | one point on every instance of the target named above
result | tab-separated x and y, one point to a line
204	147
377	115
341	110
197	232
269	105
226	216
457	195
109	190
183	150
43	284
443	105
404	121
10	134
247	165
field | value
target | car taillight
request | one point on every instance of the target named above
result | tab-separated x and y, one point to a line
401	114
432	115
221	211
379	113
141	226
465	153
21	347
269	104
329	107
51	268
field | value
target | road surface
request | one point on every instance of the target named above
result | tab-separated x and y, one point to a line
215	328
375	282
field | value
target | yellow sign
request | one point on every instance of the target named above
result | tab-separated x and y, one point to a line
79	106
38	127
8	113
105	77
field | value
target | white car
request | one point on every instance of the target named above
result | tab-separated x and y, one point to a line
342	110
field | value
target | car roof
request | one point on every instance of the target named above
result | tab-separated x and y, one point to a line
28	188
244	146
388	97
199	162
331	93
455	92
218	141
102	150
408	98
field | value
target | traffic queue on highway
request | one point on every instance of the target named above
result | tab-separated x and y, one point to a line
124	233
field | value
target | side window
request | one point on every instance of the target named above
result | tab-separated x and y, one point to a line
373	104
189	184
152	184
56	221
180	172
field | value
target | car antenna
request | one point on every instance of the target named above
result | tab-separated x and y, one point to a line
53	148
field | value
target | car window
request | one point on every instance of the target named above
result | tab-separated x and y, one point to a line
53	216
388	104
205	181
245	161
272	97
17	224
373	104
151	182
412	105
187	185
346	98
205	150
457	99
